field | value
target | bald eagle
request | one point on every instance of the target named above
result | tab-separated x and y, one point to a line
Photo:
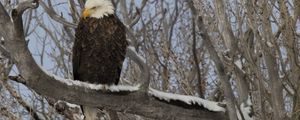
100	44
99	48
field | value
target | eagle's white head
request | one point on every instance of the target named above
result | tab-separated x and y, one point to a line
98	8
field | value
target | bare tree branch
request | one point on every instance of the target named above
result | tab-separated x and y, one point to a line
224	77
8	114
137	103
55	16
31	111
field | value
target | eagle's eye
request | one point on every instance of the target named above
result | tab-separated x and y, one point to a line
93	8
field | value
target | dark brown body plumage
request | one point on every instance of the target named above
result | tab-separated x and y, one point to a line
99	50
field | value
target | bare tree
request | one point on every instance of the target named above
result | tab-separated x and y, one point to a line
259	45
139	102
245	53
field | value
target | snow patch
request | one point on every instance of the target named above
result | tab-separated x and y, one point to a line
289	88
111	88
246	109
69	104
238	63
129	40
227	51
269	44
281	76
210	105
122	88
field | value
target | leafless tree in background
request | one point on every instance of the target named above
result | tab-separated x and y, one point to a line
260	40
219	50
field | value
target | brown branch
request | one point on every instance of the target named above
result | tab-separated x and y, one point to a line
136	103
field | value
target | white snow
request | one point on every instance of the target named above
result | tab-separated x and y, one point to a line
246	109
129	40
281	75
210	105
269	44
68	104
227	51
127	25
289	88
238	63
111	88
34	3
120	88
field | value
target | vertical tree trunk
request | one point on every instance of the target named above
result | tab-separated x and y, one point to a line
223	76
272	65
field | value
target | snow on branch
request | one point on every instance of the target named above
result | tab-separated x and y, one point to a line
246	109
189	100
110	88
49	85
123	88
21	7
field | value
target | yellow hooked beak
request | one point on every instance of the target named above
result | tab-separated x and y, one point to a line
86	13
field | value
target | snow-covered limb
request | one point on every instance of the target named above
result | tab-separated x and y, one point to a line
24	5
269	44
68	104
71	111
238	63
245	110
123	88
190	100
134	103
110	88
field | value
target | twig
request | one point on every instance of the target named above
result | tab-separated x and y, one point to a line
19	99
6	113
56	17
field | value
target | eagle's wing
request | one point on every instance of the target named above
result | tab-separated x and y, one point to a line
99	50
121	45
76	48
